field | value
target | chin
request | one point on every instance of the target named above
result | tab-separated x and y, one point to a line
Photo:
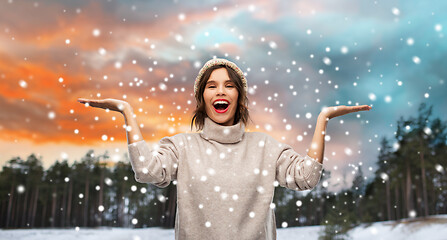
222	120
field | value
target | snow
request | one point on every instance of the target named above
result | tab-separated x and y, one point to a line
88	234
412	229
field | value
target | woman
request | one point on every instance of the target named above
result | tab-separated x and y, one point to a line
225	176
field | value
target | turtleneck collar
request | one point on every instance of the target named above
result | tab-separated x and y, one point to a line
222	134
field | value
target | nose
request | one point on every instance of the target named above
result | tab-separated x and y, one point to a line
220	90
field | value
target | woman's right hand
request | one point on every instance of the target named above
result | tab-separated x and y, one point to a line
108	103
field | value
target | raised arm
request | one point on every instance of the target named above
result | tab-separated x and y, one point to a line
132	129
316	150
158	167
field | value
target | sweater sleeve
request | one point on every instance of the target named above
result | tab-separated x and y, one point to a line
296	172
158	166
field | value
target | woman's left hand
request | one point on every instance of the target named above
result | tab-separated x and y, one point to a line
331	112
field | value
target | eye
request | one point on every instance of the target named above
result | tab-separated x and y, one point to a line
211	86
230	86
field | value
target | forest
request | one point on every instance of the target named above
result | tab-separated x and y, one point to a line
410	181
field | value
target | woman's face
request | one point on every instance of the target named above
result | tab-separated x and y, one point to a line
220	96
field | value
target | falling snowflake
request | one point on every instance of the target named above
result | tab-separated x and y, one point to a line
235	197
439	168
51	115
388	99
179	38
395	11
181	17
108	181
416	60
252	214
96	32
102	51
209	151
23	84
161	198
64	155
348	151
20	189
224	196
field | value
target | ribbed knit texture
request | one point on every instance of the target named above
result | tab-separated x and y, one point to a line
225	179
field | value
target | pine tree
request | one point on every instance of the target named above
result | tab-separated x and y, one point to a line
339	219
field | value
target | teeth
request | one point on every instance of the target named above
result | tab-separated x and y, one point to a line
220	102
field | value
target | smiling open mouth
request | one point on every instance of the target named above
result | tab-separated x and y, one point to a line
221	106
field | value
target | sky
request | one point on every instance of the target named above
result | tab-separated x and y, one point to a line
298	57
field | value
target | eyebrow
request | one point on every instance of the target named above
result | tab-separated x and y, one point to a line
212	81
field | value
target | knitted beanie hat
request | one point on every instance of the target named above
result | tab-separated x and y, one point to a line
223	62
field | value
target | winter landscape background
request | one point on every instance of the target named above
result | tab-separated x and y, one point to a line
65	165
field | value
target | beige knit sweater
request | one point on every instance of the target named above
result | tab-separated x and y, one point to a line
225	179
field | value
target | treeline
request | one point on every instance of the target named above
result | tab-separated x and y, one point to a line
410	181
85	194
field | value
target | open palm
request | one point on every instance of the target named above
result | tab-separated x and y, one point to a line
331	112
108	103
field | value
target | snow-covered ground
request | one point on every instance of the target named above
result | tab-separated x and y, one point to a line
433	228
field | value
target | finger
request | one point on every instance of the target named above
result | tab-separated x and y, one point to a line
363	108
90	102
95	103
85	100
